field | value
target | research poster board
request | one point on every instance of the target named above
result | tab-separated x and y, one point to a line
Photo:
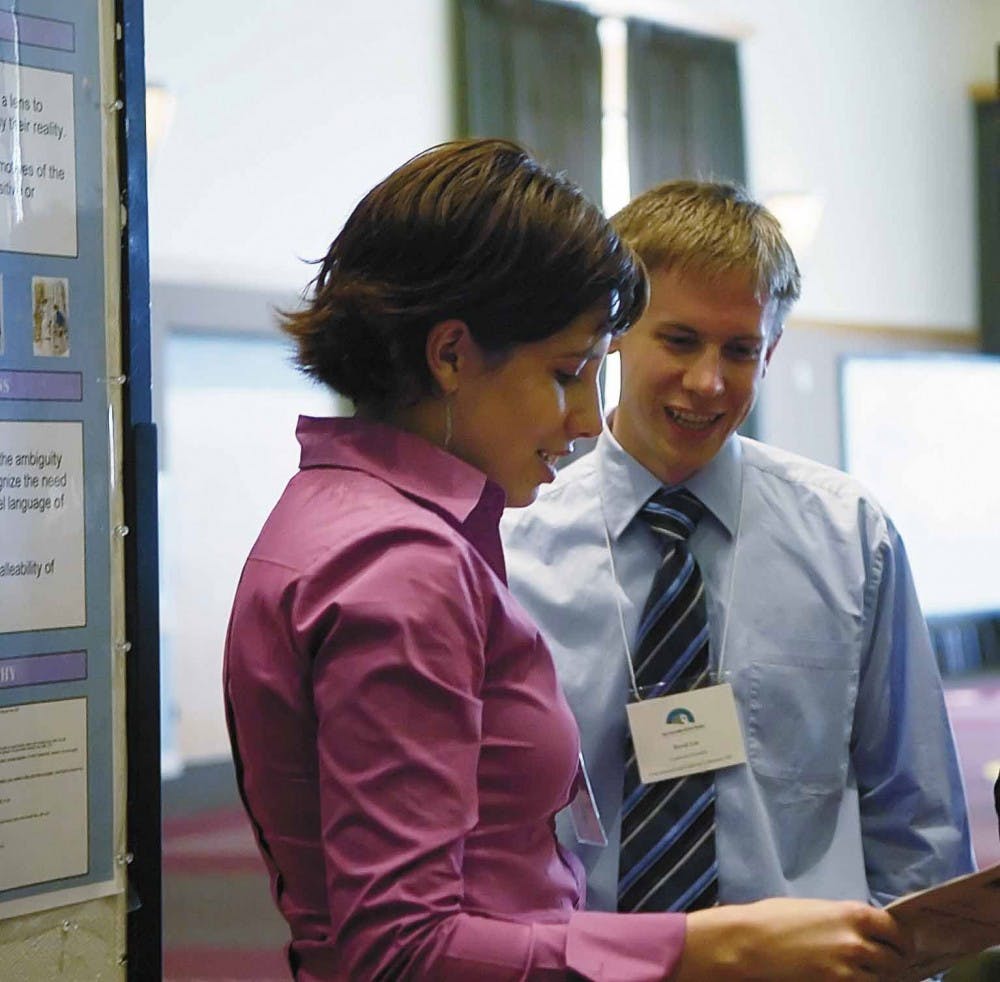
60	555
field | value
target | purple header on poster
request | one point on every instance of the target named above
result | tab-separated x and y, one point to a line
66	666
41	32
42	386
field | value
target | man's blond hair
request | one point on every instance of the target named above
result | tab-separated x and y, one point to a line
713	229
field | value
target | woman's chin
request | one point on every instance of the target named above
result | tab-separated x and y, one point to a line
522	497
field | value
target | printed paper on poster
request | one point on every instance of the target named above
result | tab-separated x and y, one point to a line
42	568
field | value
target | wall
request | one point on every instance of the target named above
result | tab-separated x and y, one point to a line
288	112
866	104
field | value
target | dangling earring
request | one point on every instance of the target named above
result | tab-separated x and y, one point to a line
447	423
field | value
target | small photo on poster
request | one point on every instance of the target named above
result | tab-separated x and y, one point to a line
50	315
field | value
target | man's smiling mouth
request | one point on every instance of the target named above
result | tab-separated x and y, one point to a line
693	421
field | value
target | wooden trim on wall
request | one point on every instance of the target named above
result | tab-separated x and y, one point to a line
985	92
673	15
960	338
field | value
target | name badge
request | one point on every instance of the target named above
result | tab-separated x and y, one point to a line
583	813
686	733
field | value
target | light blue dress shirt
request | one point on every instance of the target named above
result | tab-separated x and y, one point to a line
852	788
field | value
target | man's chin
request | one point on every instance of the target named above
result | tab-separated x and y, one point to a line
676	464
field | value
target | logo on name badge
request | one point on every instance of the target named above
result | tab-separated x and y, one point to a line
680	715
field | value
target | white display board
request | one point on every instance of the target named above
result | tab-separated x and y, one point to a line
62	828
923	433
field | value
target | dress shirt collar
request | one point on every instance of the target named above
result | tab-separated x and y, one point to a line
429	475
627	485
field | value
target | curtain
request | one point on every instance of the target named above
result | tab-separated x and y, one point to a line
685	116
684	108
988	152
531	72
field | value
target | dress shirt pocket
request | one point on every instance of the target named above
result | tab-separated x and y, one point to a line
800	713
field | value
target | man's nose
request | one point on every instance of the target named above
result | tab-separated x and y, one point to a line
704	374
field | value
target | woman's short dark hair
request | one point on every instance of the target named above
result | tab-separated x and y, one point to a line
475	230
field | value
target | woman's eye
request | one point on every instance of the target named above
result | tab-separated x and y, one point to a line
679	340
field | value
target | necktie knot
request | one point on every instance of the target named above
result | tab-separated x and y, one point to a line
673	513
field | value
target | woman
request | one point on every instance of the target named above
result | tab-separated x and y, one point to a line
401	742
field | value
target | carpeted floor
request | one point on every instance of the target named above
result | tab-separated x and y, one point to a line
218	919
219	924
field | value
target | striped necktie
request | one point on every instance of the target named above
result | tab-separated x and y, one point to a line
667	859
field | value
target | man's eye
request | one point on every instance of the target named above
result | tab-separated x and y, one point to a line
564	378
745	352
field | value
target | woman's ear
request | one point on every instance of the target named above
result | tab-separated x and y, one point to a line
448	350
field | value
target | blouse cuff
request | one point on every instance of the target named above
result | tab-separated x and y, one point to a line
606	947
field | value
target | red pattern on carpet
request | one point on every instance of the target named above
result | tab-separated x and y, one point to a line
224	965
219	841
210	847
974	711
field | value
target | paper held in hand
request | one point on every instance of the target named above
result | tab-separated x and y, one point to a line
950	921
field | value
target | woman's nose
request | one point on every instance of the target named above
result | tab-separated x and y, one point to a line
586	410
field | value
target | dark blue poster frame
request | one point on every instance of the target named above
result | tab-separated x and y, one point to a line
144	929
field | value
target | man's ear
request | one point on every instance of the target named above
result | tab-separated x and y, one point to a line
447	351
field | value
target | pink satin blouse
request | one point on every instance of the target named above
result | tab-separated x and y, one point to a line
400	739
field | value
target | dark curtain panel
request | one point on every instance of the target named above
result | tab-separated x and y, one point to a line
531	72
684	110
988	145
685	115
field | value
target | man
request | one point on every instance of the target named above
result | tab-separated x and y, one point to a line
851	787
